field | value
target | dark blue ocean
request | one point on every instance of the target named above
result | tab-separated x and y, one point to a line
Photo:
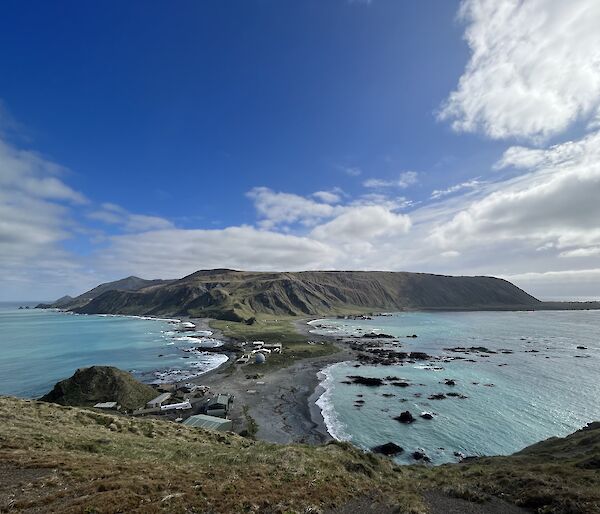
40	347
545	387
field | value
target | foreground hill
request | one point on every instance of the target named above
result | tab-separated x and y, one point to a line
68	460
89	386
240	295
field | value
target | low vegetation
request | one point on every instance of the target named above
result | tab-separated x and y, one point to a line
296	346
68	459
89	386
280	330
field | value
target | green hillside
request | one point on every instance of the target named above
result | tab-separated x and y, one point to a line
240	295
89	386
68	460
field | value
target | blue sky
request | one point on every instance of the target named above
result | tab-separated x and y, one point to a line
155	139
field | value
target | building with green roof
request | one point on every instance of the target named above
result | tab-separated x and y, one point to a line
209	423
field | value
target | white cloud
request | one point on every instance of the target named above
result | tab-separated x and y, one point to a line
559	285
450	254
556	202
534	68
30	174
363	223
328	196
469	184
178	252
581	252
35	218
276	208
405	180
115	215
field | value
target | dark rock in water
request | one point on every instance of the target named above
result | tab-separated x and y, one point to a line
359	401
420	456
419	356
459	455
388	395
450	382
391	378
427	415
412	336
457	395
346	382
388	449
405	417
368	381
580	347
373	335
400	384
437	396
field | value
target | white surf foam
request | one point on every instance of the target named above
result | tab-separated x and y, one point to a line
334	426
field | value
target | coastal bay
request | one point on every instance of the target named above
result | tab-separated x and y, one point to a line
505	369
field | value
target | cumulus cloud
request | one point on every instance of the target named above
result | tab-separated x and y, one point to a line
363	224
328	196
406	179
186	251
277	208
534	68
555	203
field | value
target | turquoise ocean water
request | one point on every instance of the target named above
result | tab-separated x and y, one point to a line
546	387
40	347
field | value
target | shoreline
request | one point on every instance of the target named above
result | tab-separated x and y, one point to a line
283	408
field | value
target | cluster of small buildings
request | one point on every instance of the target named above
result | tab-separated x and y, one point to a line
191	404
258	352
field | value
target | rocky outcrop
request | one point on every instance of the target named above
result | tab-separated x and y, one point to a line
389	449
89	386
405	417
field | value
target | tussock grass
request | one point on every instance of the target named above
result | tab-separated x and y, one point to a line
107	463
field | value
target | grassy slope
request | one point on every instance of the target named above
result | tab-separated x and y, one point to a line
106	463
89	386
295	344
237	296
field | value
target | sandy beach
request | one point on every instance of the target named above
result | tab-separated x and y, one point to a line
281	402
